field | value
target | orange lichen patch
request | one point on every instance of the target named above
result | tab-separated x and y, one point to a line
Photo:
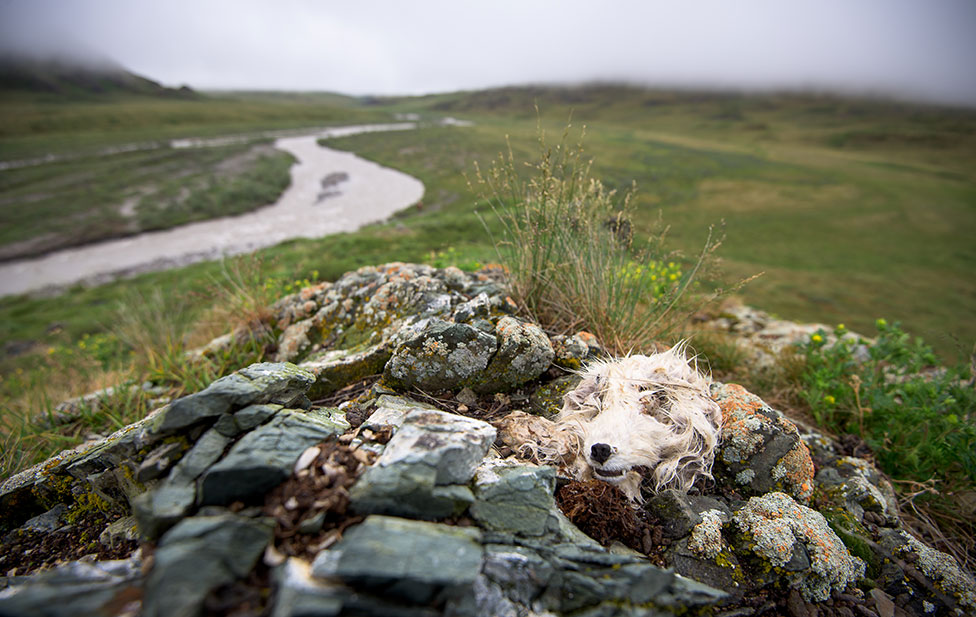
796	470
586	337
307	293
739	400
741	423
748	425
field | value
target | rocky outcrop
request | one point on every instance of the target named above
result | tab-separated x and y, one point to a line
399	502
420	326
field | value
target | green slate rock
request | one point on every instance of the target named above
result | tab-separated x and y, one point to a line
424	468
415	560
75	589
198	555
282	383
514	498
263	458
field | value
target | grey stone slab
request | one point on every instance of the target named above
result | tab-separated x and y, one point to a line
75	589
266	382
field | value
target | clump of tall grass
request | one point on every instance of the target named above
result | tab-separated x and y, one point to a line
568	244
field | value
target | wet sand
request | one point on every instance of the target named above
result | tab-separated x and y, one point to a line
367	194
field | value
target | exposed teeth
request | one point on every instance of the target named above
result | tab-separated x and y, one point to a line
609	473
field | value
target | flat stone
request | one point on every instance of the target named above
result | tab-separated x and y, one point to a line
254	415
198	555
414	560
47	522
158	462
298	594
451	444
121	530
337	368
264	458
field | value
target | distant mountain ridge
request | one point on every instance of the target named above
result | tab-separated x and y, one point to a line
71	77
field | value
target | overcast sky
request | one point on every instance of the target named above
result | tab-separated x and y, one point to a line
920	49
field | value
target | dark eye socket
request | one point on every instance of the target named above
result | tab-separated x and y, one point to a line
655	403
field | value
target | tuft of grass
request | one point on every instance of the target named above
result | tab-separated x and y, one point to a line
151	338
567	242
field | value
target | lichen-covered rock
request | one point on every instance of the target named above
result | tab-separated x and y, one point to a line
861	487
524	353
706	537
679	512
442	326
442	356
799	542
952	588
547	399
570	351
760	450
763	338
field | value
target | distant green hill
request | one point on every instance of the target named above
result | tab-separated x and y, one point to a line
62	77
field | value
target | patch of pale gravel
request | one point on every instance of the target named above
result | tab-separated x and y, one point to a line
371	194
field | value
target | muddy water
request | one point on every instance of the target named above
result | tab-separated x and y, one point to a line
354	192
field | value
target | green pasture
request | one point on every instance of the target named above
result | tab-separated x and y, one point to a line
852	209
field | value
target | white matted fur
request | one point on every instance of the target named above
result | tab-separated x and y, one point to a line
644	417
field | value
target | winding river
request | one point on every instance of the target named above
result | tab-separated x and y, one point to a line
330	192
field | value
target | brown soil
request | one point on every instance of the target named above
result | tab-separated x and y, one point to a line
25	552
322	487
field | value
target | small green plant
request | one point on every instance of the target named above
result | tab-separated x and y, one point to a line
567	243
919	418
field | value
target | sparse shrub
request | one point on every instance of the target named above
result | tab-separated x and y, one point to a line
918	418
567	242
